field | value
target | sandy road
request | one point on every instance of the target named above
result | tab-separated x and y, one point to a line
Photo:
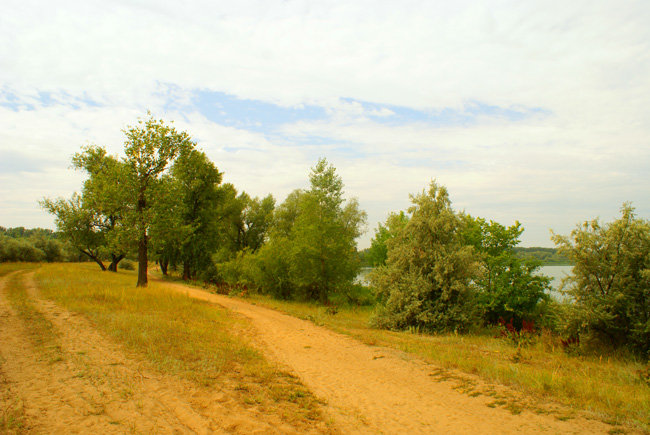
95	386
376	390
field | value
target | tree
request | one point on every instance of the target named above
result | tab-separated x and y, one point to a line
198	183
79	225
508	288
311	251
427	280
150	147
254	221
378	251
610	283
105	192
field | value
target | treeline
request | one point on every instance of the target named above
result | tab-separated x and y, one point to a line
436	269
33	245
165	202
547	256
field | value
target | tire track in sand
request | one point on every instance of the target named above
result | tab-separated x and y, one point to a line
378	390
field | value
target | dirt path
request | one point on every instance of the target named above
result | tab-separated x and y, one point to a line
94	386
378	390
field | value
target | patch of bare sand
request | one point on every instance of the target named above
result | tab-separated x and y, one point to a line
378	390
97	387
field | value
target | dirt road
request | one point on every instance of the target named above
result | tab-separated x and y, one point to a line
85	383
377	390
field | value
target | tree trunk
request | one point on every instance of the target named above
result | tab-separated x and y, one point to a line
187	273
143	261
116	259
163	266
95	258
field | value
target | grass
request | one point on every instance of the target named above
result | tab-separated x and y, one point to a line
178	335
611	388
40	330
7	268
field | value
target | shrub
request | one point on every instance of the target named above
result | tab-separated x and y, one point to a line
126	264
610	284
426	282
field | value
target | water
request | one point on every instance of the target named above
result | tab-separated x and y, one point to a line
556	273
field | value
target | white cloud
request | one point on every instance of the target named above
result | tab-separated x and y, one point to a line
585	63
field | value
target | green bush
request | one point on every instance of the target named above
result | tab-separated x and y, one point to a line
126	264
427	280
609	289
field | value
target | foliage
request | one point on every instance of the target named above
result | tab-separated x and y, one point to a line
546	256
33	245
198	194
508	288
311	252
79	225
610	283
426	282
150	147
378	251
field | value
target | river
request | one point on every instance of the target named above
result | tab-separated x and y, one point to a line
556	273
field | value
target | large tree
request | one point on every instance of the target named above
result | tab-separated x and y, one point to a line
150	147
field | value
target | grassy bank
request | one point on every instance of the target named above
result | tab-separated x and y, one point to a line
609	387
178	335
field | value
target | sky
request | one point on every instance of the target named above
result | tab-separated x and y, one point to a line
535	111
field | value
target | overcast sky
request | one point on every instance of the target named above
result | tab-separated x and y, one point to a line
536	111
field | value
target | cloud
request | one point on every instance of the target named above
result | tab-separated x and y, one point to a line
534	111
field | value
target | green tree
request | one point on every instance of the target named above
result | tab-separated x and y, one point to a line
610	283
311	251
378	251
508	287
198	183
150	147
80	225
254	221
427	280
106	193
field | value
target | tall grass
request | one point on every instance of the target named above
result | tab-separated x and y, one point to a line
177	334
610	387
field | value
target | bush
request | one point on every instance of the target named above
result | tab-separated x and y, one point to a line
19	250
609	288
426	282
126	264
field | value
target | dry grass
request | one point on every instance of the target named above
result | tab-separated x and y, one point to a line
611	387
40	330
7	268
178	335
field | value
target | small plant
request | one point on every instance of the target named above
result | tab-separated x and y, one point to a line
126	265
520	337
